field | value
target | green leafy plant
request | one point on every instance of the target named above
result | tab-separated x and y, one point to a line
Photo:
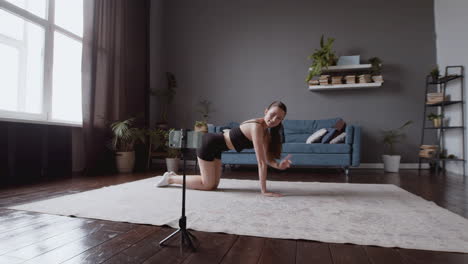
376	68
433	116
200	123
157	138
435	73
160	139
125	135
205	109
322	58
394	136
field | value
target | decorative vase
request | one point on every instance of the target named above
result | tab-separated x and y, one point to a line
125	161
391	163
172	164
437	122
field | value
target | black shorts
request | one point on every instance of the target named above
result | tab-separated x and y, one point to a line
212	146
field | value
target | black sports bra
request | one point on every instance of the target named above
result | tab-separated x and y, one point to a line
239	140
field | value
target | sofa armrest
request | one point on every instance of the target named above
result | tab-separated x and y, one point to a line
356	147
349	134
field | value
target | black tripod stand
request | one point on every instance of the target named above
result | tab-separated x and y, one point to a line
185	236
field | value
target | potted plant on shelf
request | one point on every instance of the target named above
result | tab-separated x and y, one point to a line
436	119
201	126
435	74
205	109
390	139
125	136
322	58
376	69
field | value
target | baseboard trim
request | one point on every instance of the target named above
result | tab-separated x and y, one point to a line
404	166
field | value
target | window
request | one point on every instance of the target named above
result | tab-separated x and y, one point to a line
40	61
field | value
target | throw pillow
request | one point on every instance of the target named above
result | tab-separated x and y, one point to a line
340	127
329	136
339	139
316	136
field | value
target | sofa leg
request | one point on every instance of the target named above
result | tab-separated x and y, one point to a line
346	171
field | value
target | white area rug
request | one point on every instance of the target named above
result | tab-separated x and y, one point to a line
365	214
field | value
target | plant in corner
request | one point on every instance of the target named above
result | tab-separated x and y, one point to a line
322	58
390	139
436	119
376	69
125	136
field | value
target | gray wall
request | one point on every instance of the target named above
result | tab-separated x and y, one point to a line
243	54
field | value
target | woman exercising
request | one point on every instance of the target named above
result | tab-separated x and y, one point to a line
253	133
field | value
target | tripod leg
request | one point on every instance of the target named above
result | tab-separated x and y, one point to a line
169	237
188	241
195	239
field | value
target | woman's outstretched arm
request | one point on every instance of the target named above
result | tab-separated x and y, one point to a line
259	146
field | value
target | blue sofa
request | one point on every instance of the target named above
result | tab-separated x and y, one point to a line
296	132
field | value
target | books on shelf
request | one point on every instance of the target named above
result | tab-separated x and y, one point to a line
364	78
324	79
435	98
428	151
350	79
337	79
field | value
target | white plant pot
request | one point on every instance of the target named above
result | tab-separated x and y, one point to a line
125	161
172	164
391	163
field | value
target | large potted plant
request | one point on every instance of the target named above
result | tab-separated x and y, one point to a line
125	136
390	139
322	58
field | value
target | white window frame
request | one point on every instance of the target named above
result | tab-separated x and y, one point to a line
48	24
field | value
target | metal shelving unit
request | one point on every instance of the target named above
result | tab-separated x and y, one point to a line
441	86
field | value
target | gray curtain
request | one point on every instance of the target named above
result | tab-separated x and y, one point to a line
115	73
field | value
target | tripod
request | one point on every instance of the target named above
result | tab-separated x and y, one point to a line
185	236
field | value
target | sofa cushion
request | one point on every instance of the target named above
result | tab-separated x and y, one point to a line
339	139
299	130
316	136
329	135
315	148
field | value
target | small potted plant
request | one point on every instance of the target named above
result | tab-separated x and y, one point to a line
322	58
125	136
435	74
376	69
201	126
205	109
172	155
436	119
390	139
172	160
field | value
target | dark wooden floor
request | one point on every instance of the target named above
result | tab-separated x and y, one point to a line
27	237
